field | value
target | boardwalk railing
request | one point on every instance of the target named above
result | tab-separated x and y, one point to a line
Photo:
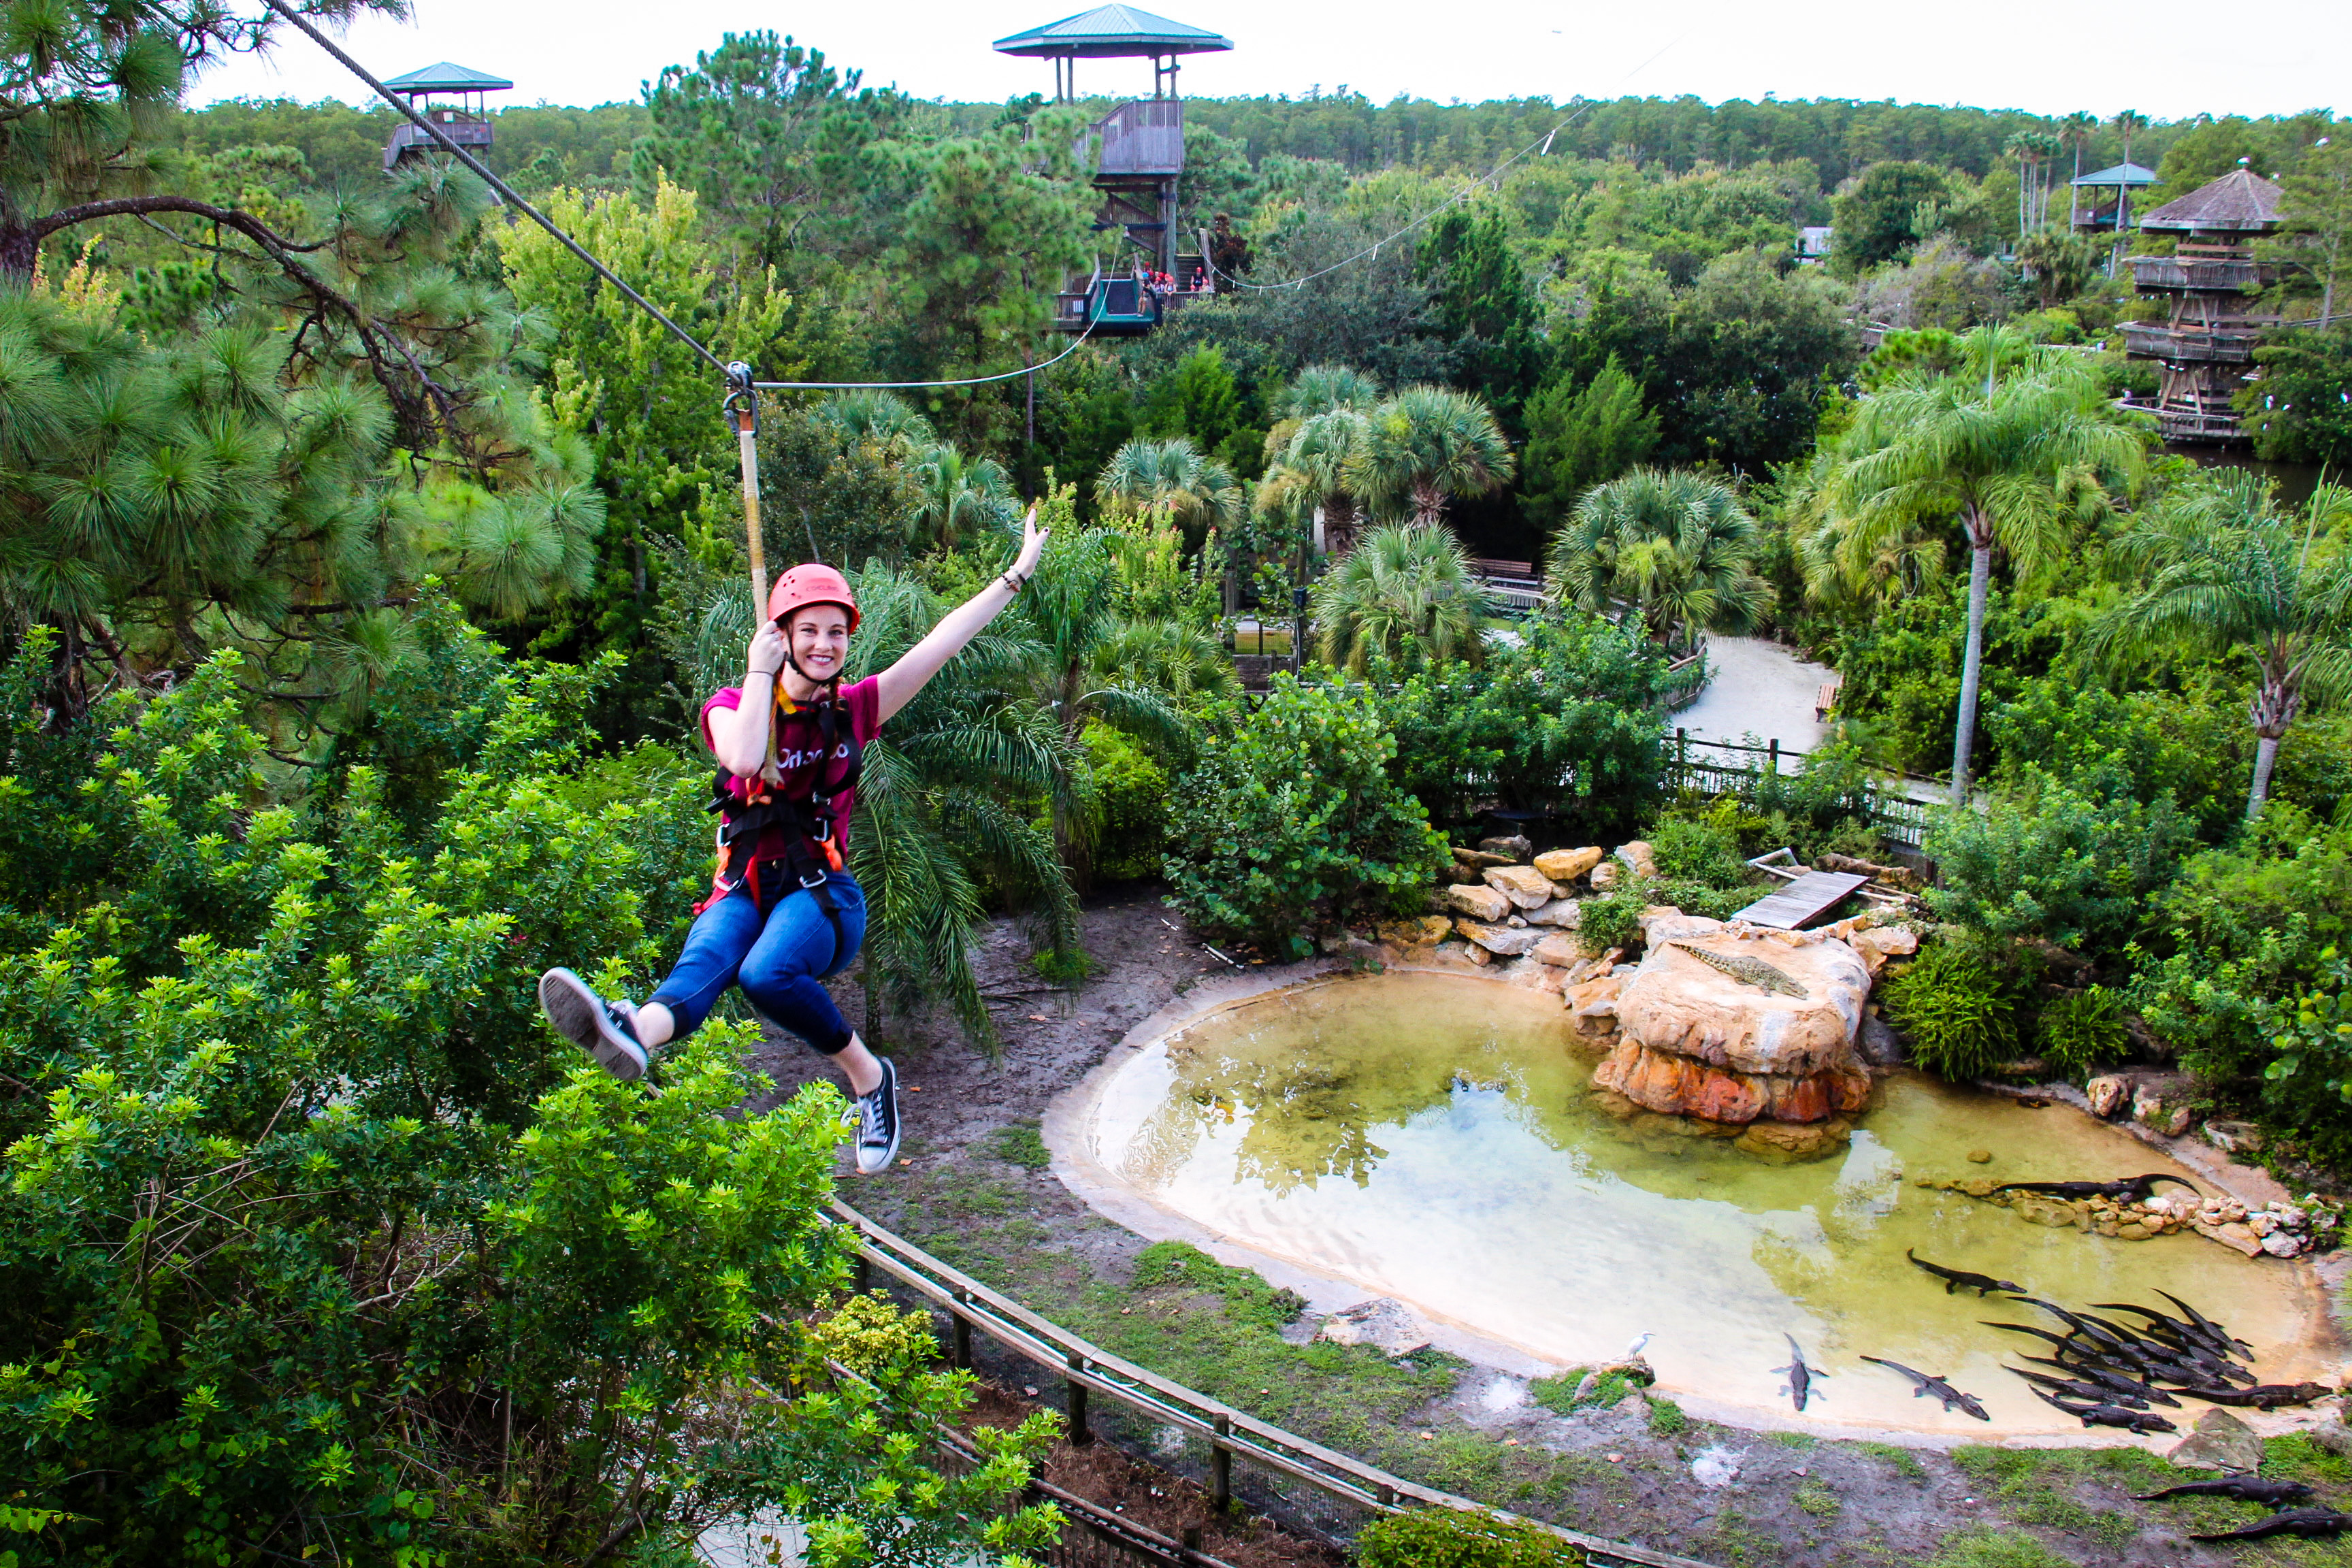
1086	1370
1690	767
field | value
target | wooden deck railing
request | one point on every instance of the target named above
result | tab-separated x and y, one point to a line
1086	1370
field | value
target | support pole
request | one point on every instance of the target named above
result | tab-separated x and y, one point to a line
1221	1467
742	410
1081	1433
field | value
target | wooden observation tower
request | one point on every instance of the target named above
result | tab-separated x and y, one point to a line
1138	156
463	121
2204	349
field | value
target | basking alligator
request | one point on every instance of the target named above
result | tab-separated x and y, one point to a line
1747	971
1934	1387
2119	1384
1799	1385
2222	1338
2294	1521
2263	1395
2094	1393
1953	1279
2245	1489
2110	1415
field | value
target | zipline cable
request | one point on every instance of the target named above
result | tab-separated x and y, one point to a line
1459	196
505	191
514	198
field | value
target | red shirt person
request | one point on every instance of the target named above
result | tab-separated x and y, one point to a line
784	913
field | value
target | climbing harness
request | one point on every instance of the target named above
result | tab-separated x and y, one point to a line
805	819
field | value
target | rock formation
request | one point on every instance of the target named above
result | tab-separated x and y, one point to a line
1695	1041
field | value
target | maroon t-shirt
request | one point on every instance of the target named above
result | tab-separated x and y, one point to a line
797	740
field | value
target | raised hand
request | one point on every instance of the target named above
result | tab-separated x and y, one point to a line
1033	545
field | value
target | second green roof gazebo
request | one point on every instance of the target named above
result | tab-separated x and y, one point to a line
466	122
1113	32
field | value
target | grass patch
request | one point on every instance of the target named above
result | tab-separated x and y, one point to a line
1018	1145
2036	1484
1907	1463
1800	1441
1244	1292
2295	1457
1666	1418
1816	1498
1980	1546
1557	1394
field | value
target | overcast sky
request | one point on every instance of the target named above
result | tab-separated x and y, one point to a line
2164	57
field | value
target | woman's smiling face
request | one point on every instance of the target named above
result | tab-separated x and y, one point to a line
819	638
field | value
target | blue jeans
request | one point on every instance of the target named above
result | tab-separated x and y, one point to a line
777	947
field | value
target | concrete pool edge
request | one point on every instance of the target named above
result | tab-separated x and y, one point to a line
1065	1128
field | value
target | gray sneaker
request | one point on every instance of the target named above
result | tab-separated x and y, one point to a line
877	1124
606	1030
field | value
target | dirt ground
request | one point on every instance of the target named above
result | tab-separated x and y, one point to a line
972	1189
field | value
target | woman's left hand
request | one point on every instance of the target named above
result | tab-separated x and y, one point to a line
1033	545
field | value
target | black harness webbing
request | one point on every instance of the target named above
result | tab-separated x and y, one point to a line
810	853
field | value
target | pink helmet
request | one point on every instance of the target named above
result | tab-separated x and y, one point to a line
811	582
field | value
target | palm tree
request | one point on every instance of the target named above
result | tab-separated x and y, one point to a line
1096	663
1199	492
873	414
2076	130
1401	580
958	496
1424	448
2015	461
1676	546
2129	123
2231	575
1320	388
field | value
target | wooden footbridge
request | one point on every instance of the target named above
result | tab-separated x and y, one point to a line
1088	1372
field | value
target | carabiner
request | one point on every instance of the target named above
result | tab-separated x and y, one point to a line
741	407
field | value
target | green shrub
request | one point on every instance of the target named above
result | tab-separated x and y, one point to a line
1701	849
2057	865
1567	720
315	1231
2080	1031
1957	1011
1288	822
1614	918
1130	794
1442	1538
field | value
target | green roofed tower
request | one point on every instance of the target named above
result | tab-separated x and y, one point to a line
462	121
1137	153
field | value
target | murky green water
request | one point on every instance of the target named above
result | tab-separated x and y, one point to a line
1436	1139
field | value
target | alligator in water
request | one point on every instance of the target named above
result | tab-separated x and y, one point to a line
1934	1388
2220	1339
1953	1279
2130	1190
1799	1385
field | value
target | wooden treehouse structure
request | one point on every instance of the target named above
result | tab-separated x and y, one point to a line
461	117
1137	153
2204	348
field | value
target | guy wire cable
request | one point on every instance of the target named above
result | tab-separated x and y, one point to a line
514	198
1544	141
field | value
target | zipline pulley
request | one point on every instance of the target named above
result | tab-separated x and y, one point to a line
741	407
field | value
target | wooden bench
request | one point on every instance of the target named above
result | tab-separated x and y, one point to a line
1826	699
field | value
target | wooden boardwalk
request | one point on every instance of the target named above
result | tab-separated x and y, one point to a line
1808	898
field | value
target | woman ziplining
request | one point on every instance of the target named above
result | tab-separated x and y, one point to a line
784	914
